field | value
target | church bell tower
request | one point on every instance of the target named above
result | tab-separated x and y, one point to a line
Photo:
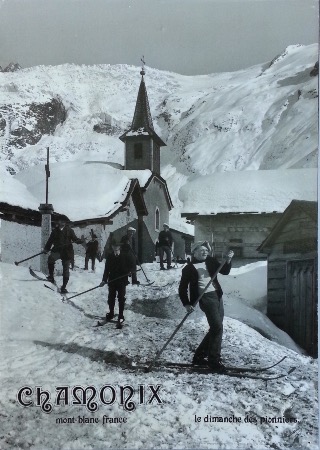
142	144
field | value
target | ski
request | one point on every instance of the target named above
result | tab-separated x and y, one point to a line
104	322
162	286
48	287
234	374
147	284
247	375
38	276
58	290
228	368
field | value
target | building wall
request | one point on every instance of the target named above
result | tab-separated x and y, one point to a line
118	228
19	242
154	197
179	244
156	158
295	242
139	164
242	233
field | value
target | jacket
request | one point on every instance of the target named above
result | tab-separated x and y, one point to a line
165	238
61	240
116	267
189	279
92	248
128	243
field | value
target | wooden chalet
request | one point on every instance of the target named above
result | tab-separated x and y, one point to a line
291	247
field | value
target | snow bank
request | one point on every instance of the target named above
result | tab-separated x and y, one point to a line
46	342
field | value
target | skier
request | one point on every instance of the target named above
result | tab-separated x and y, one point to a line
91	252
129	250
164	245
195	277
60	240
116	275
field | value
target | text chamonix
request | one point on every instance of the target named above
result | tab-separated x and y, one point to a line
90	396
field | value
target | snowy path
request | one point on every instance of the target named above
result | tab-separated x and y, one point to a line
48	343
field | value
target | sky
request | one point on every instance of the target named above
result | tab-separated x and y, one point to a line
189	37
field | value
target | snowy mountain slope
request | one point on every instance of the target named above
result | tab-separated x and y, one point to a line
254	119
48	343
264	117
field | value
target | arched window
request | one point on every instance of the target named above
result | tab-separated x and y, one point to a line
157	219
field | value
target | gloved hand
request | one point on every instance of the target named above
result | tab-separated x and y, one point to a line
103	283
229	255
189	308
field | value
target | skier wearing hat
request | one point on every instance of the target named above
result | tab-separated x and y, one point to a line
91	252
129	250
164	245
60	244
195	277
116	275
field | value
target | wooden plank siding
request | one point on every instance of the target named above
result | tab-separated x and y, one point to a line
301	304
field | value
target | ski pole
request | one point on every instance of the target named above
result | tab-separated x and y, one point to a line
175	261
33	256
185	317
96	287
84	292
134	254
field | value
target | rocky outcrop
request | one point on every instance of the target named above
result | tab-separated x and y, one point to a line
315	71
22	126
107	128
12	67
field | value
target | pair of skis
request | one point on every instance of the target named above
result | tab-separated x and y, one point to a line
230	371
143	285
57	289
103	322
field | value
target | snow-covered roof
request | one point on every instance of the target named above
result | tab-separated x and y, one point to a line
15	193
79	189
183	227
248	191
143	176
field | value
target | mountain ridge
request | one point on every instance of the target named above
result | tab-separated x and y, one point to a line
264	117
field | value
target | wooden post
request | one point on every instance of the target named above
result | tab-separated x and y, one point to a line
47	176
46	211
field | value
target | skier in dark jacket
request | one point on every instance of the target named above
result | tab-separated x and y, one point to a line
116	275
195	277
165	246
60	244
129	250
91	252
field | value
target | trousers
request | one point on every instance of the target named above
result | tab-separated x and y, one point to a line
210	346
114	290
53	257
167	250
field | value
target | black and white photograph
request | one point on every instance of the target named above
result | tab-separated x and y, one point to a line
159	224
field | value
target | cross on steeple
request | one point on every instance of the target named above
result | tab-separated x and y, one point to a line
142	68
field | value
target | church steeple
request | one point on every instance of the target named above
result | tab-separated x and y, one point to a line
142	144
142	116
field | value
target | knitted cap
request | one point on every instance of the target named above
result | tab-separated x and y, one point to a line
199	244
131	229
166	225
